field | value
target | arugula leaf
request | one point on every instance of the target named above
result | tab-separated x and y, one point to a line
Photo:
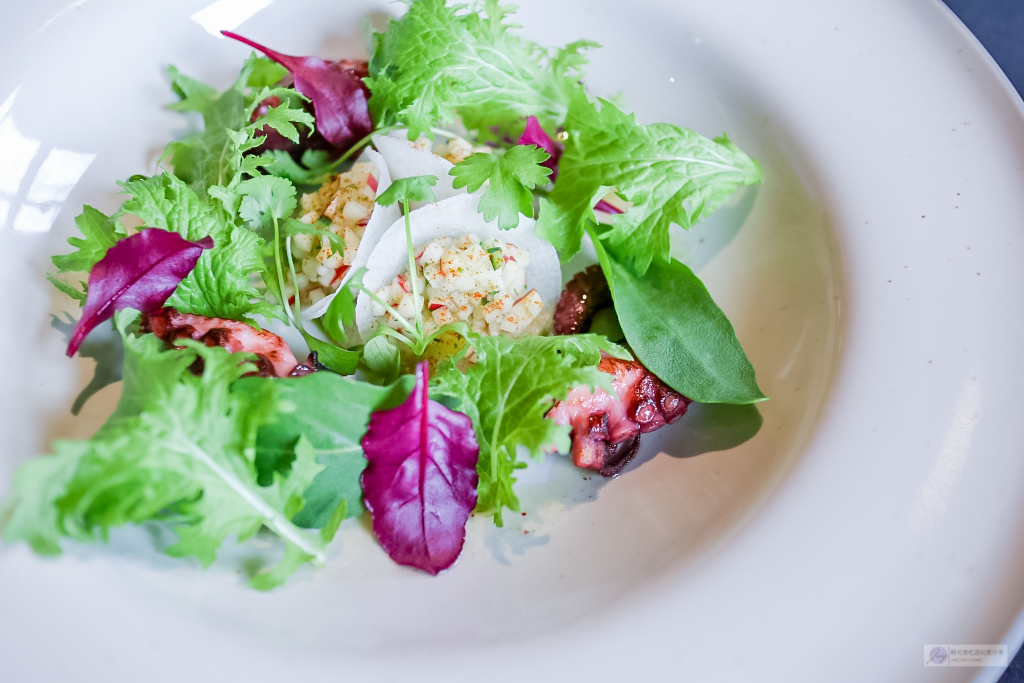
510	177
668	174
435	61
220	284
179	448
507	393
334	358
678	332
327	414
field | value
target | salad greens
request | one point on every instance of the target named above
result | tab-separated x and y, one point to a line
206	440
420	480
180	448
668	175
437	62
139	272
507	393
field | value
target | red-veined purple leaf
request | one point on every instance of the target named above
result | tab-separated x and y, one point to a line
420	480
338	94
141	272
533	134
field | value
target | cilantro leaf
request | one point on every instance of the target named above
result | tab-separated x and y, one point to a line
179	448
220	284
408	190
668	174
510	177
265	198
436	61
507	394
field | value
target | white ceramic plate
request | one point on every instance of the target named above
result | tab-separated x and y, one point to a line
876	285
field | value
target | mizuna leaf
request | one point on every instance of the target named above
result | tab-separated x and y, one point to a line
140	272
668	175
339	100
507	394
438	60
420	480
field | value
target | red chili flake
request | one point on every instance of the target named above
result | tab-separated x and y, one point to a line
372	182
434	307
339	273
524	514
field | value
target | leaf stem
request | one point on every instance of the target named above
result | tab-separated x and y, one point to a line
280	269
413	277
398	316
383	130
297	314
272	519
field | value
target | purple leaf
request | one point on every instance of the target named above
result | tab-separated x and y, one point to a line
420	481
338	94
141	272
535	135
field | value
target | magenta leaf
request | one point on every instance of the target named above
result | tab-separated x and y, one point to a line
338	95
535	135
141	272
420	481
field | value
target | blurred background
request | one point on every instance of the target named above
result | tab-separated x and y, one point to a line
999	26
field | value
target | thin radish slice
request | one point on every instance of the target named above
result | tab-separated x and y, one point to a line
455	217
380	220
405	160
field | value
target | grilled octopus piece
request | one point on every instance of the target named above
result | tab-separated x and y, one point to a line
606	429
584	295
274	358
